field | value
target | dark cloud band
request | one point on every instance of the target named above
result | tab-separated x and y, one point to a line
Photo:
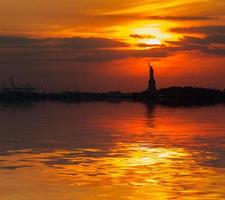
201	29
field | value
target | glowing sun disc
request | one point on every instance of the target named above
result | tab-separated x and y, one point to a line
151	41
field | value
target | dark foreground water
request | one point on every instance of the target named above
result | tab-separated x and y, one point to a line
111	151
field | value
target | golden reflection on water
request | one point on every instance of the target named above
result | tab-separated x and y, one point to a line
153	158
128	172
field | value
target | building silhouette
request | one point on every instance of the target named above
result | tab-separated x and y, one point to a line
152	89
15	89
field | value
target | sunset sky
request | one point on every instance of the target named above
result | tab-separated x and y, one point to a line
100	45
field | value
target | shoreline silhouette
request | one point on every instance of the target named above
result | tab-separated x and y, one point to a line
171	96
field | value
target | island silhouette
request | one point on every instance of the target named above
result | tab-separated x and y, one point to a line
168	96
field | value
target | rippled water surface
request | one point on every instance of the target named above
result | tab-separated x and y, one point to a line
111	151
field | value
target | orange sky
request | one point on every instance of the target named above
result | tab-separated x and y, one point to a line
105	45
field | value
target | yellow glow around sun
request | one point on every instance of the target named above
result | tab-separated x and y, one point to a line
153	34
156	34
145	34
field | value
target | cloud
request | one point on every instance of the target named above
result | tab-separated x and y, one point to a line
216	38
128	17
75	42
201	29
211	39
18	41
88	43
141	36
215	51
205	45
144	45
181	18
48	50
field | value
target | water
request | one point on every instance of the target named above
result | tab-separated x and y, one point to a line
111	151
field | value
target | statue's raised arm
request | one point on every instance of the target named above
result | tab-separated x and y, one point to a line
152	90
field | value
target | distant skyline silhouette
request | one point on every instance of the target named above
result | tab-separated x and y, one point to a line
174	96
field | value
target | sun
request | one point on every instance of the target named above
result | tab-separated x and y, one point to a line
151	41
